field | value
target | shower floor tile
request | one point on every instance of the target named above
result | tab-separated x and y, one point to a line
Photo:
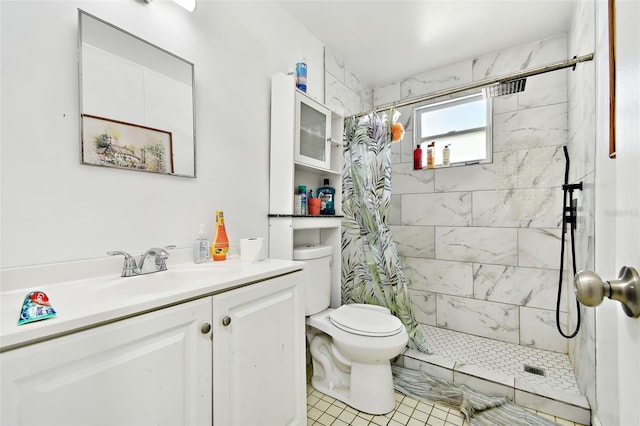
503	358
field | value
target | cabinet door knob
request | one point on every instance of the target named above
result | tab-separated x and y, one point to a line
226	321
206	327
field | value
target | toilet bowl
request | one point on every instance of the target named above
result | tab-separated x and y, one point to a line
352	363
351	346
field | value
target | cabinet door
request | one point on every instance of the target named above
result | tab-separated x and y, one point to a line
313	133
150	369
259	355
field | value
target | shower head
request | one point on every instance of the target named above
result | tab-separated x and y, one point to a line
507	87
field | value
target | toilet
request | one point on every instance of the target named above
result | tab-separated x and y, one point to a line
351	346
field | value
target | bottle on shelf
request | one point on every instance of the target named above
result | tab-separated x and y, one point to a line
201	247
302	189
220	245
326	194
301	75
417	158
430	155
445	156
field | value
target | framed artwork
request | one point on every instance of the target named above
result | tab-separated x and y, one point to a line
612	79
113	143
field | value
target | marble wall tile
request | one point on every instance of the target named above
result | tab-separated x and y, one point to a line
530	128
582	121
436	80
439	276
532	287
405	180
582	148
415	241
537	247
352	81
448	209
501	174
518	208
480	245
395	210
487	319
541	167
334	65
402	152
545	89
505	103
424	306
343	100
387	94
521	57
538	329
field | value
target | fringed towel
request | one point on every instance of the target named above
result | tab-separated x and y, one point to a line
479	409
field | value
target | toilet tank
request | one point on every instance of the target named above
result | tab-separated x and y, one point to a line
317	276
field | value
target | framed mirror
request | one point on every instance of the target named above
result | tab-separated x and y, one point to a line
136	102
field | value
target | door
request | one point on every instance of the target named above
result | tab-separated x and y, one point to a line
313	133
150	369
259	354
618	233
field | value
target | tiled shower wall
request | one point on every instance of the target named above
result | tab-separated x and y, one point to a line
344	93
582	131
481	243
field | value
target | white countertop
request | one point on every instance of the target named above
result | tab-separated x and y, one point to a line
94	300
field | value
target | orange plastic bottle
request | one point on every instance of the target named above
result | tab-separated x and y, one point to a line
220	244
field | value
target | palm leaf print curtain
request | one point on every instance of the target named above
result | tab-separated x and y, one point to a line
371	270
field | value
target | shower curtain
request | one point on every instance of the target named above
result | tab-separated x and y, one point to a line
371	270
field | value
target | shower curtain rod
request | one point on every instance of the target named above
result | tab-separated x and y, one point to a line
513	76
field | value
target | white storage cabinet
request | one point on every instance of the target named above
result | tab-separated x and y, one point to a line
306	148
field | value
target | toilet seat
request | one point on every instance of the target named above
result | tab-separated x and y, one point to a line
365	322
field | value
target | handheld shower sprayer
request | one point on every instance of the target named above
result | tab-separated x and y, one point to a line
569	216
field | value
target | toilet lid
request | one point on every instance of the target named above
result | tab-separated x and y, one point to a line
365	322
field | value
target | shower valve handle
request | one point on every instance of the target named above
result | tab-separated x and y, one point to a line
591	289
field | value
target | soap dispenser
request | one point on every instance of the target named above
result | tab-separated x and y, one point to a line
201	247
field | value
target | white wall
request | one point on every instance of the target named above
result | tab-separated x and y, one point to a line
54	209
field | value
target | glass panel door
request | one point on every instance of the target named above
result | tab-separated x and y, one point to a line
313	133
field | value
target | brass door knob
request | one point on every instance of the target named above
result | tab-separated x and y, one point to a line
226	321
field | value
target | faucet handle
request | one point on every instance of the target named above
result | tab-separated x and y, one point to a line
129	268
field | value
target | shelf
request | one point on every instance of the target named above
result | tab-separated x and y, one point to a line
308	222
317	170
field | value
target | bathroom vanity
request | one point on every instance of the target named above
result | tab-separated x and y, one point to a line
219	343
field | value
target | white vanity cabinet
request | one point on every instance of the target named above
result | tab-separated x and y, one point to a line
259	354
149	369
179	365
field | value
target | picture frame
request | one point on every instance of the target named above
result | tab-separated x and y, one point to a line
612	79
112	143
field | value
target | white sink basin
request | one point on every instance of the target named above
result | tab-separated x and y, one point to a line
172	280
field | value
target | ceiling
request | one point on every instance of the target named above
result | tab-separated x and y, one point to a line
386	40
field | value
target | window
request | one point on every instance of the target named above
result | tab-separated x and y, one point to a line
463	123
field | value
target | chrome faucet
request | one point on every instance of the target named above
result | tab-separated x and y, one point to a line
131	269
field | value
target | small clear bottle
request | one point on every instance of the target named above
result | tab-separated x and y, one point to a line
445	156
201	247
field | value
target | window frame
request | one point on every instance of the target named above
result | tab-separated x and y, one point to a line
448	103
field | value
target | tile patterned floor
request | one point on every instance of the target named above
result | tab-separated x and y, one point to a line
323	410
502	356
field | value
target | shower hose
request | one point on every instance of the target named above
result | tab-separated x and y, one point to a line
568	216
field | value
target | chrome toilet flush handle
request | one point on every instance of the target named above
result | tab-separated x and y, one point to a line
591	289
